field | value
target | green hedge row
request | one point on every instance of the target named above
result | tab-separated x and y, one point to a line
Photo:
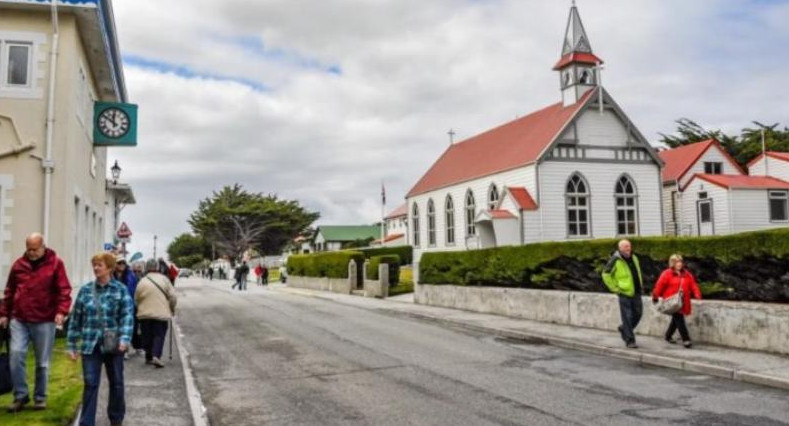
329	264
392	260
526	265
406	253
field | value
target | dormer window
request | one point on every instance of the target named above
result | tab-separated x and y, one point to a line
713	168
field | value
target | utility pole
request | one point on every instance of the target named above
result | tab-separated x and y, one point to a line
764	154
154	246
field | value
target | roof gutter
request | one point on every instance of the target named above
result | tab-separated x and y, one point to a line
48	163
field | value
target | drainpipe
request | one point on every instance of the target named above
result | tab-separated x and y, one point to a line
48	163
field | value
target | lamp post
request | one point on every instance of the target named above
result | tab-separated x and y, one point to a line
116	172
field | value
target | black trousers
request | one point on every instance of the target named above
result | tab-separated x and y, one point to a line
136	341
153	333
630	309
678	323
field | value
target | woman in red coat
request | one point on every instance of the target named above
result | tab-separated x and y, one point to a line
668	285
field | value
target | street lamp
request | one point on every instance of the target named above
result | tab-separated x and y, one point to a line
116	172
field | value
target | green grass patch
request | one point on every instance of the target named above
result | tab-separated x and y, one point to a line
65	392
406	284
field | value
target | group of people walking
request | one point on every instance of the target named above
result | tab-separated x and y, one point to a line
671	294
113	315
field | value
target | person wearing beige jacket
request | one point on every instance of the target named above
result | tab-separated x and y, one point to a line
155	299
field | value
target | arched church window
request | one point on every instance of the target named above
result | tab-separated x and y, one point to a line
577	194
586	77
431	223
449	209
471	211
415	223
626	196
493	197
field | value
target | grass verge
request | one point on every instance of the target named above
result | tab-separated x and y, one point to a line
406	284
65	392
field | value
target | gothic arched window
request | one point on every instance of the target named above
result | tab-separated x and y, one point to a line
449	211
577	193
626	197
471	211
431	223
415	223
493	196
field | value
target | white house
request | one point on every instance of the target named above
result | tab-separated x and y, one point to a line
395	228
707	193
681	165
775	164
336	237
578	169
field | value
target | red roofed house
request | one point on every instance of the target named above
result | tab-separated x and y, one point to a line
775	164
707	193
395	228
573	170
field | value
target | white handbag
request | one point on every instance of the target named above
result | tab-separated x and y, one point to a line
673	304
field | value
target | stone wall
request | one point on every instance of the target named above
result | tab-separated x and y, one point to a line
745	325
334	285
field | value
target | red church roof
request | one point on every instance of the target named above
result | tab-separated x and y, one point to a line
523	198
679	160
577	58
772	154
743	182
511	145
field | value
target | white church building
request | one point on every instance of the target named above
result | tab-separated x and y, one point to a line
578	169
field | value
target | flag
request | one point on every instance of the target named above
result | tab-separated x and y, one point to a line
383	194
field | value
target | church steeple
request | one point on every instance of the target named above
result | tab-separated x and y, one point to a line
578	66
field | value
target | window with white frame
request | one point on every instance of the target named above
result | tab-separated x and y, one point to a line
15	64
577	193
626	211
779	206
449	209
493	196
431	223
471	211
415	223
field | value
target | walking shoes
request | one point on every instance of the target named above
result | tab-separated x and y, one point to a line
18	405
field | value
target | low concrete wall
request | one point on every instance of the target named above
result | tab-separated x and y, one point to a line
755	326
334	285
376	288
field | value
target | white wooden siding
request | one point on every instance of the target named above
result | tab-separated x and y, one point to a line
602	179
715	155
523	177
671	228
751	210
777	168
601	129
720	208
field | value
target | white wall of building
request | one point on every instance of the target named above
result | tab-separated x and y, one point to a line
721	208
751	210
714	155
396	225
777	168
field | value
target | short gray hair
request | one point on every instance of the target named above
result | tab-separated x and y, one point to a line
151	265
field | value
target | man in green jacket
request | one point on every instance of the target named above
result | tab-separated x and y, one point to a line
622	275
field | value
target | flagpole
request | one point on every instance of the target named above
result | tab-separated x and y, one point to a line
764	154
383	212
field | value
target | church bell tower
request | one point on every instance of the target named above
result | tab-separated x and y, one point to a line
578	67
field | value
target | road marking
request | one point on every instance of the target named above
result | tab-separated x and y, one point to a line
199	412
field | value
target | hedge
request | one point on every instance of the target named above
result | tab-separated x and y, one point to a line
718	259
392	260
328	264
406	253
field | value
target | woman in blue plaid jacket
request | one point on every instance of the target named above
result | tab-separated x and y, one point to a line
89	324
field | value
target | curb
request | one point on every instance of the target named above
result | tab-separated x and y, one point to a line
642	358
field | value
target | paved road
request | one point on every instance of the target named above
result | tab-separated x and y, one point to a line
266	357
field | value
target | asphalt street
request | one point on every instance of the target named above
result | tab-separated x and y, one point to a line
269	358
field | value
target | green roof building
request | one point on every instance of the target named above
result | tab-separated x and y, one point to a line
335	237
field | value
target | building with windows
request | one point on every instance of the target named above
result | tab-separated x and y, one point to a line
705	191
395	228
337	237
578	169
55	61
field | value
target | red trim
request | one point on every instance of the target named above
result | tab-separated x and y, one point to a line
577	58
398	212
740	181
783	156
522	198
501	214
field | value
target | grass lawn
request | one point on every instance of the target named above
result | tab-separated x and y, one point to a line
406	284
65	392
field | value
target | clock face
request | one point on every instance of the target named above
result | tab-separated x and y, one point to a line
113	123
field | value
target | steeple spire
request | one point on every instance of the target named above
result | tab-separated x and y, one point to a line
579	66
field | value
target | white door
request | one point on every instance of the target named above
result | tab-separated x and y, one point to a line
706	218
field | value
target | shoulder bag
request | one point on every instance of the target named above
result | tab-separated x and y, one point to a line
160	289
110	339
673	304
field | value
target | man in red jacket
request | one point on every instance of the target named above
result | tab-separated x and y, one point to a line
37	297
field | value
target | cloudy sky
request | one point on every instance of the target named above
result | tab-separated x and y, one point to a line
321	100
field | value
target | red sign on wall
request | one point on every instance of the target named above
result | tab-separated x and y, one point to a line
124	231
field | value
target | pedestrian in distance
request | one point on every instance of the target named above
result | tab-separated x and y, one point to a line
156	301
210	274
258	274
264	275
674	280
241	276
100	331
36	301
124	275
622	276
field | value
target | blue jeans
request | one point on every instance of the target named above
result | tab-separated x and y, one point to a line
42	335
630	309
91	374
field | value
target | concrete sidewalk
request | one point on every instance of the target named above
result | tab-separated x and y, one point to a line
154	396
734	364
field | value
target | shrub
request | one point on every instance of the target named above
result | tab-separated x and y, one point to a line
744	266
406	253
392	260
327	264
